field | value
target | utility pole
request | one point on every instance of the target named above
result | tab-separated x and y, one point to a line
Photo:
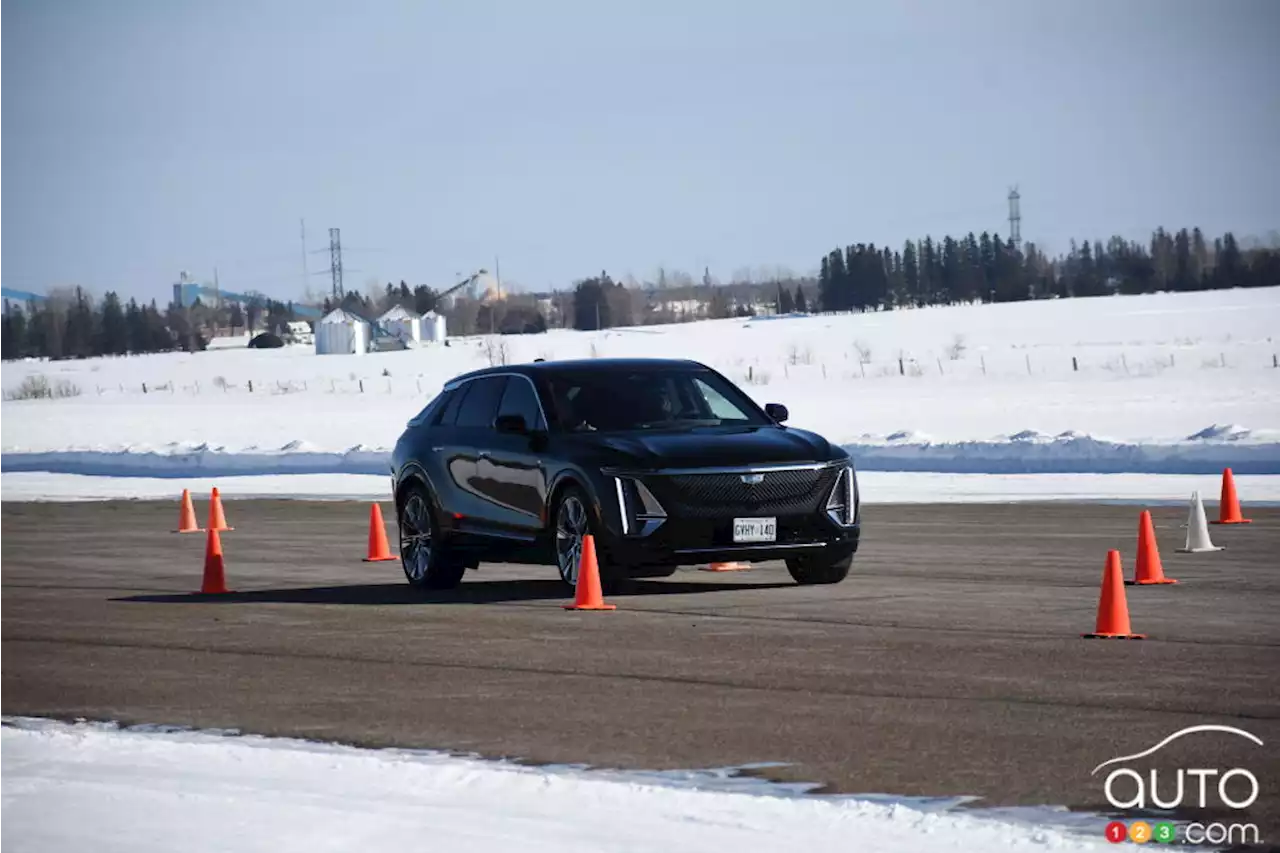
305	278
335	262
1015	218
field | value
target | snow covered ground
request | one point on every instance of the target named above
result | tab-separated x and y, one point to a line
876	487
1157	384
99	787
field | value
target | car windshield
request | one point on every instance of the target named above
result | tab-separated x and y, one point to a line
648	399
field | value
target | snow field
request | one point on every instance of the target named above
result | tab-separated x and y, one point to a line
1166	383
162	790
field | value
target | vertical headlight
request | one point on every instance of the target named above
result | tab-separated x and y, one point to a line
842	503
640	511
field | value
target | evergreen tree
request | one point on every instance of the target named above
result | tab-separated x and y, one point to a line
1182	278
911	274
113	331
826	287
951	273
929	278
136	334
1229	271
801	305
786	304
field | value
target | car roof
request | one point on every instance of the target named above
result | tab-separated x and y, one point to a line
602	365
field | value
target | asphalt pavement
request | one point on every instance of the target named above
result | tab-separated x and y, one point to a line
949	663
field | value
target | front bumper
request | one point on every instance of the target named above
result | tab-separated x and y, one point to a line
687	517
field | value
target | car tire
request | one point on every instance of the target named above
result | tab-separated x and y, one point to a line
571	519
819	570
426	559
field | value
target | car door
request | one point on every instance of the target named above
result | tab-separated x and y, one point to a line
512	473
471	437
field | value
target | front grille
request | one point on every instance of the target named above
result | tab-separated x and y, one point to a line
794	492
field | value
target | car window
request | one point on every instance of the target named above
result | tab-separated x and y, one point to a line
450	413
718	404
431	410
647	399
520	399
481	403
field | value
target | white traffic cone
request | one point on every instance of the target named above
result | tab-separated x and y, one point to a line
1197	529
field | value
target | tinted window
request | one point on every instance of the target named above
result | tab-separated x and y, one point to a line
648	399
428	414
480	406
520	399
452	406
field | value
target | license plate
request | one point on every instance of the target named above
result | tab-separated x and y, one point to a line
755	529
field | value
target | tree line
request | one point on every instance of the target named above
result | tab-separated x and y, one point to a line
986	268
70	324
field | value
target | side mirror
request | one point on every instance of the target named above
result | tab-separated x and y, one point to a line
777	411
511	424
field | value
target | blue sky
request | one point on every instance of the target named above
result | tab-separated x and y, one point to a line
144	138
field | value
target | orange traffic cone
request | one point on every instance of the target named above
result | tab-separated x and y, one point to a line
1229	508
1113	610
726	567
187	515
1149	570
588	595
217	520
215	571
378	549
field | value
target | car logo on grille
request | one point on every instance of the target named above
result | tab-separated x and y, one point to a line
752	479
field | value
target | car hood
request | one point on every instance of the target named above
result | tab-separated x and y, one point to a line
715	447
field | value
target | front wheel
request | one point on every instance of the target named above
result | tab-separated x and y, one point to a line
426	560
573	523
819	569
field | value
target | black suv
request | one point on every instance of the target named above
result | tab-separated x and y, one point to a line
666	463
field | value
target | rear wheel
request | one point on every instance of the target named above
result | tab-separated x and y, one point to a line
819	569
424	556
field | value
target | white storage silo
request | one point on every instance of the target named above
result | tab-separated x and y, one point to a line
341	333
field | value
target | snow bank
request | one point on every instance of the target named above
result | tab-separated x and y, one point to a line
876	487
159	789
1025	452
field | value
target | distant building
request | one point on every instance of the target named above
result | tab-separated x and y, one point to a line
402	323
341	333
434	327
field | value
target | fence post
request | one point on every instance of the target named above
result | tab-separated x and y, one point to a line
361	386
750	373
902	371
940	373
983	360
250	386
1274	361
1028	364
1074	366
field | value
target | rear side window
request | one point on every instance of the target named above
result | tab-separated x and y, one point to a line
429	414
454	403
480	406
520	399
